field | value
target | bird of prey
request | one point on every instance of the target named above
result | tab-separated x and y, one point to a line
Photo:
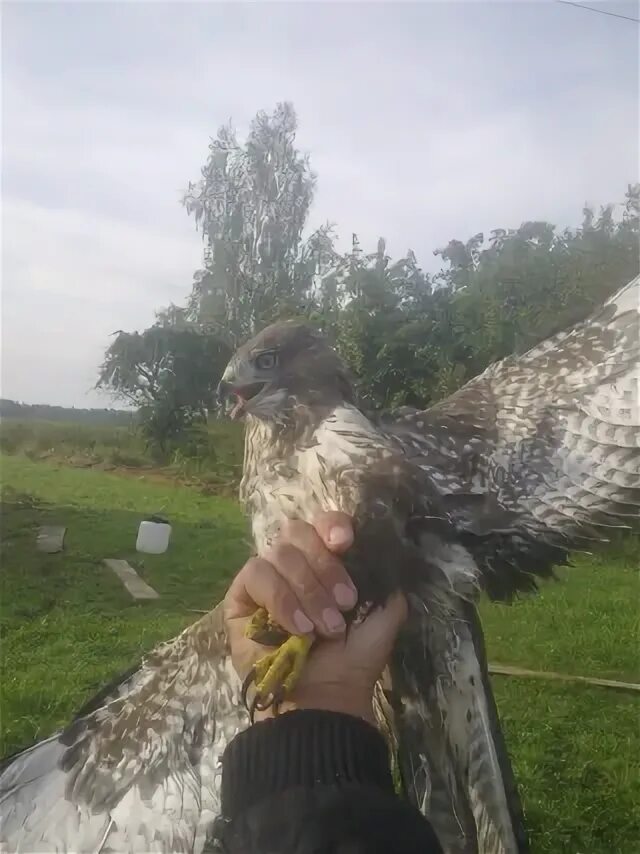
485	491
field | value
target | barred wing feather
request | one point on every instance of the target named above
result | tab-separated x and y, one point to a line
139	767
551	438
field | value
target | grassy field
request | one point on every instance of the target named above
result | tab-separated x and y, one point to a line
68	626
211	458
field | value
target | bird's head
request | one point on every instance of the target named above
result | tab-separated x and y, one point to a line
286	365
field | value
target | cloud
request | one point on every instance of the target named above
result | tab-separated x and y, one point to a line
70	279
424	122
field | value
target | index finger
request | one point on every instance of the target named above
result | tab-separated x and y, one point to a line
335	529
259	585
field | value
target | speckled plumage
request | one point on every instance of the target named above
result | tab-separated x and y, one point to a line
139	767
488	489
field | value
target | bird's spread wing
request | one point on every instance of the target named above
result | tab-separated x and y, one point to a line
541	452
538	454
139	768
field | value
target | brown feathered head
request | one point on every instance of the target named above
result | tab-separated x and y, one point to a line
286	365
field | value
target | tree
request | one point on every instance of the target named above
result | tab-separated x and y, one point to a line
168	372
379	303
530	282
252	205
410	340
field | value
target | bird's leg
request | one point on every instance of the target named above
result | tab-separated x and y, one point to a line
262	629
276	673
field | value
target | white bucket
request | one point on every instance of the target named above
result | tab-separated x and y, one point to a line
153	536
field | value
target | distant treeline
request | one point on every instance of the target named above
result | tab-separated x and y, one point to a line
44	412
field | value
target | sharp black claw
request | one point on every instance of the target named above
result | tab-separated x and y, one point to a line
252	711
249	679
256	704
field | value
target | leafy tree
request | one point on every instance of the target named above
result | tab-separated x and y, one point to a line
373	295
251	205
531	282
168	372
408	338
411	340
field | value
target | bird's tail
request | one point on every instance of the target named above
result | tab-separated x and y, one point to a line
454	764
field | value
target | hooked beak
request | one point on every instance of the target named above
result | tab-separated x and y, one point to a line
230	400
233	395
223	392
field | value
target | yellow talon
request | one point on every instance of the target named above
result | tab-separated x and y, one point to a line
276	673
262	629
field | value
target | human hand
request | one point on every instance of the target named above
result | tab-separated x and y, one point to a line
304	587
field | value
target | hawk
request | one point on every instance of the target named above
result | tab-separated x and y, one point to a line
487	490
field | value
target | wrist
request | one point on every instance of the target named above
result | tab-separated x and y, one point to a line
358	704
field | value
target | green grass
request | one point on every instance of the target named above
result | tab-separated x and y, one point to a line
87	442
587	623
68	626
210	456
576	749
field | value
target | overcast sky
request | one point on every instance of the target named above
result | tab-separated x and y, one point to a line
424	122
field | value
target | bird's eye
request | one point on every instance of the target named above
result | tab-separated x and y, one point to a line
266	361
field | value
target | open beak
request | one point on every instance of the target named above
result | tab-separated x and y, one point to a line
230	400
233	398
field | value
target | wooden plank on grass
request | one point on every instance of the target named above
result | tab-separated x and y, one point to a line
138	588
507	670
50	539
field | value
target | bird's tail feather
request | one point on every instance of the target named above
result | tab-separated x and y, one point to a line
512	794
452	755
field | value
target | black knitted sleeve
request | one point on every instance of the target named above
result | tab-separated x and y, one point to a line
314	782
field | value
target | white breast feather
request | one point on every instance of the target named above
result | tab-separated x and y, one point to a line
329	470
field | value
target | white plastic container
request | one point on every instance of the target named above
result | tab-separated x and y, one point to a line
153	536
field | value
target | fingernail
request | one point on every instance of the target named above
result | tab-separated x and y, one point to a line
344	595
339	537
303	623
333	620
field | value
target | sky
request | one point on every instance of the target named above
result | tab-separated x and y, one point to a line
424	122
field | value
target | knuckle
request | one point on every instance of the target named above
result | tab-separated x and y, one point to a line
283	603
227	605
283	555
253	571
297	530
328	564
330	572
284	529
300	575
253	565
312	593
300	534
308	572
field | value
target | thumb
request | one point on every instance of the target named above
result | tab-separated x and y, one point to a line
335	530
